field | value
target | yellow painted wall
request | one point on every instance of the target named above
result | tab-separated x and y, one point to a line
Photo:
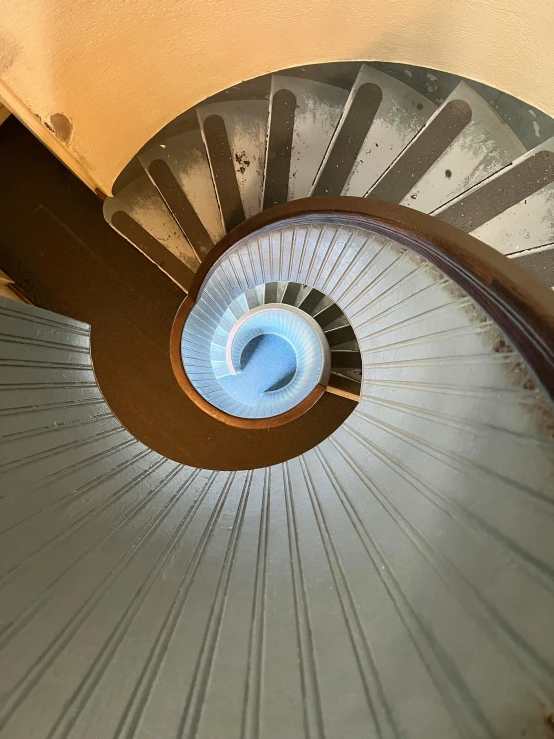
95	79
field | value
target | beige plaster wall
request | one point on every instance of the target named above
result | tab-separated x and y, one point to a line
95	79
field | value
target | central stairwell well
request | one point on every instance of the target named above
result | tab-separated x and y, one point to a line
396	580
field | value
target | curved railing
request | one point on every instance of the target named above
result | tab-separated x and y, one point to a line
502	289
396	580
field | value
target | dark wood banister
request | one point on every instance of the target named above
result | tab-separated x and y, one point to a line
518	303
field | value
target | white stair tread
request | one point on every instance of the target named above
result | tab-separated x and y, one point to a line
526	224
484	146
319	108
246	123
401	114
185	155
144	204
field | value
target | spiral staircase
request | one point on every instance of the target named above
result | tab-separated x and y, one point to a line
397	580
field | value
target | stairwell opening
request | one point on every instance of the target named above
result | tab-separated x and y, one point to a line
431	141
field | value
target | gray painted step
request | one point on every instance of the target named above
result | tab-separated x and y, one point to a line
514	209
310	300
152	249
540	262
279	148
341	335
342	384
246	127
328	315
273	292
291	293
346	359
464	142
186	157
142	202
140	215
180	207
317	112
396	113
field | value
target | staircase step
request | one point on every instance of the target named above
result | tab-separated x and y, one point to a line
512	210
302	119
235	135
344	386
220	368
310	300
328	315
291	293
380	118
139	214
271	292
252	298
346	359
142	202
464	142
152	249
340	335
279	148
540	262
238	307
185	155
223	172
180	207
228	320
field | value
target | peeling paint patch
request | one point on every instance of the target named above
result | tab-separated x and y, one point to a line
537	129
407	71
61	126
242	161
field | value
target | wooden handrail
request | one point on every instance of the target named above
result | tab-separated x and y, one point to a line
518	303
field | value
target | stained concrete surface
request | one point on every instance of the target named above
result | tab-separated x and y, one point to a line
56	245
